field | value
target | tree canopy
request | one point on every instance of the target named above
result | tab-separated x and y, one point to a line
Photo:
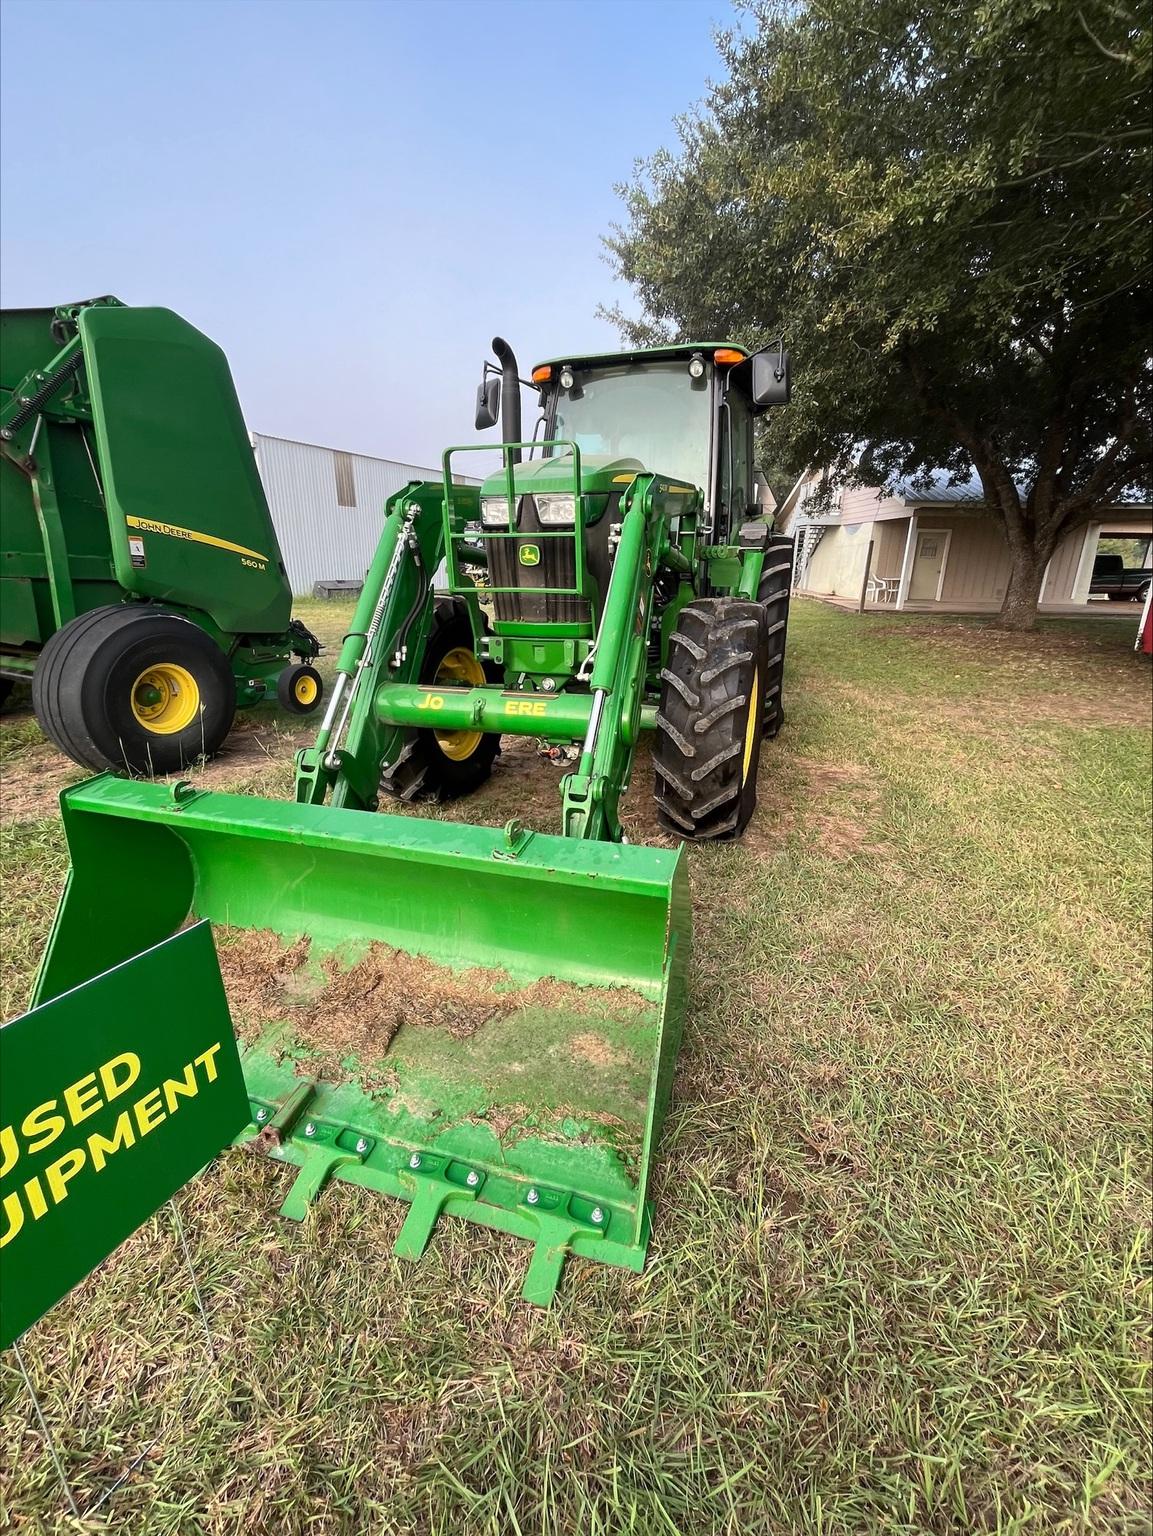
946	209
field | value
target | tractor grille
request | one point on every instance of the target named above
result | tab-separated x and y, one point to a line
557	568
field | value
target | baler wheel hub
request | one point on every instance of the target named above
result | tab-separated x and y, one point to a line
165	698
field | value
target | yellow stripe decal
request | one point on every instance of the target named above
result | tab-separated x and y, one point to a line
623	479
678	490
148	525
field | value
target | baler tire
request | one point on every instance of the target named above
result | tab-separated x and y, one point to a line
773	593
299	689
710	722
424	770
86	691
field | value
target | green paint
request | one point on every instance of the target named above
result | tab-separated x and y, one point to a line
524	1099
102	1125
543	1120
132	477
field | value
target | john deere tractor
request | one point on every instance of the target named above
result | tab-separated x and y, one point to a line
633	585
612	576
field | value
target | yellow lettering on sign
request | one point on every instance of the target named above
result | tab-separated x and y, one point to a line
13	1218
186	1087
114	1086
64	1168
207	1061
149	1111
40	1127
14	1211
9	1150
99	1147
83	1098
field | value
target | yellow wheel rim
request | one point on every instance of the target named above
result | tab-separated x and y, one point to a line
459	668
304	691
165	698
751	725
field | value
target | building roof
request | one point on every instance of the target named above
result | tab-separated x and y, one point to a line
937	489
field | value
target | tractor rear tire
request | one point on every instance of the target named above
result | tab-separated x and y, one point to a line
710	720
445	765
773	593
133	689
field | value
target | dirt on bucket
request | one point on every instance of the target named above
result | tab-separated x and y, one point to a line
353	1013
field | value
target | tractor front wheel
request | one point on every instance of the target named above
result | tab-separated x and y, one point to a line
444	765
134	690
711	719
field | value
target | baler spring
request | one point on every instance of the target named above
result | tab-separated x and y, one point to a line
49	387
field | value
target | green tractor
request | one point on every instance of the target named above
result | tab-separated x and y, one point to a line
518	996
142	591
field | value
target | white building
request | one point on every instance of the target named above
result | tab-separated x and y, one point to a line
327	506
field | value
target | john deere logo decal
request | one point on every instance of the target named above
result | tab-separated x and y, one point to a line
529	554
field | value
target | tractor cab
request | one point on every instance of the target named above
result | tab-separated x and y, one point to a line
682	413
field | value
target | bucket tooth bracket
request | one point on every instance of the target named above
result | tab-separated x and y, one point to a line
320	1147
559	1217
554	1220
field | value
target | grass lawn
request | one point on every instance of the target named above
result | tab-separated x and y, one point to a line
899	1279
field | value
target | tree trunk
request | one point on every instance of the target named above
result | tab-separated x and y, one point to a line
1019	610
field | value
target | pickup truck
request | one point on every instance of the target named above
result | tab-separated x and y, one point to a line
1112	579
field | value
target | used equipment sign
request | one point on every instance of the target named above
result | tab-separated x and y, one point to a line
111	1097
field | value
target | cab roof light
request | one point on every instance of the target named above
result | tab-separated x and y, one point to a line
542	374
727	355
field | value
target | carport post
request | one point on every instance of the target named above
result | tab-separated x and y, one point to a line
865	581
907	561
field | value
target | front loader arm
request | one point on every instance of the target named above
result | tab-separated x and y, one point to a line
592	792
386	643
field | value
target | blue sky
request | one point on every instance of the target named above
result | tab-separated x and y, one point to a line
350	196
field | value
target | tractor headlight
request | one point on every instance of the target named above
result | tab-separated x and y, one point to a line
556	511
494	512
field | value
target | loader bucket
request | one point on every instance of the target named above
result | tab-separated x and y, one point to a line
484	1024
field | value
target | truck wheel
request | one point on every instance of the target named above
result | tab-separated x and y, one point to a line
444	765
711	719
299	689
773	593
133	689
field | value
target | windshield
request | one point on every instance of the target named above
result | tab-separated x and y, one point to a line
655	413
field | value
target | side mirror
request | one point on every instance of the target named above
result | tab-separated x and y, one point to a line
771	382
487	404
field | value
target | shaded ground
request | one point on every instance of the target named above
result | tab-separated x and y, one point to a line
899	1279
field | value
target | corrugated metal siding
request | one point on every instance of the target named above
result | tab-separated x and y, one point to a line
319	539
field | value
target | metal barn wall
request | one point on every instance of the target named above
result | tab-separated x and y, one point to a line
320	539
